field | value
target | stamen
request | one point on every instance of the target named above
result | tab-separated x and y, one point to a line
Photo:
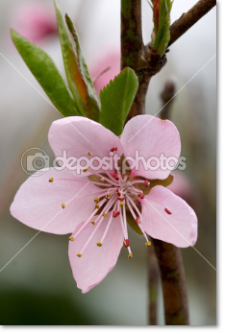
85	170
96	200
71	238
148	244
104	215
141	196
126	243
51	179
130	255
138	220
121	203
97	206
168	211
79	254
116	213
102	180
147	183
89	154
99	244
113	149
93	222
63	205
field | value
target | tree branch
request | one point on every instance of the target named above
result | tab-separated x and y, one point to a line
153	283
173	283
187	20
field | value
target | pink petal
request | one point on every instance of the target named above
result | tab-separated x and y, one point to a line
38	202
79	136
167	217
151	137
96	262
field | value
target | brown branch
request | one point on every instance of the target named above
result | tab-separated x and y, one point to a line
187	20
153	286
167	96
173	283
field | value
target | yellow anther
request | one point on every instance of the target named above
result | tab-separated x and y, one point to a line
79	254
71	238
85	170
102	180
89	154
51	179
130	255
93	222
99	244
104	215
63	205
96	200
121	203
148	244
97	206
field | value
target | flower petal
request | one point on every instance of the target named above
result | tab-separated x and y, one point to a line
167	217
38	202
96	262
151	137
80	137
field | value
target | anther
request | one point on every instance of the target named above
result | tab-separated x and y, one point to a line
51	179
148	244
63	205
120	198
116	177
121	203
89	154
113	149
147	183
85	170
102	180
79	254
99	244
168	211
71	238
130	255
138	220
93	222
116	214
97	206
108	196
104	215
141	195
126	243
96	200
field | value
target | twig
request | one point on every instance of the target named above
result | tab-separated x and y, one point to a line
153	286
187	20
173	283
167	98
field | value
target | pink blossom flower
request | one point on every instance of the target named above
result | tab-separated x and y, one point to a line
94	206
34	20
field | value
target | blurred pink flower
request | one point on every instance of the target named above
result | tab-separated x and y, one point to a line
94	205
34	20
111	58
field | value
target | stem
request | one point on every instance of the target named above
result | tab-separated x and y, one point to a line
187	20
153	286
173	283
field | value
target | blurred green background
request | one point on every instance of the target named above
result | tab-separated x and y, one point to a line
37	287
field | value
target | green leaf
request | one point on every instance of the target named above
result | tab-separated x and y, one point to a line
77	74
46	73
116	100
